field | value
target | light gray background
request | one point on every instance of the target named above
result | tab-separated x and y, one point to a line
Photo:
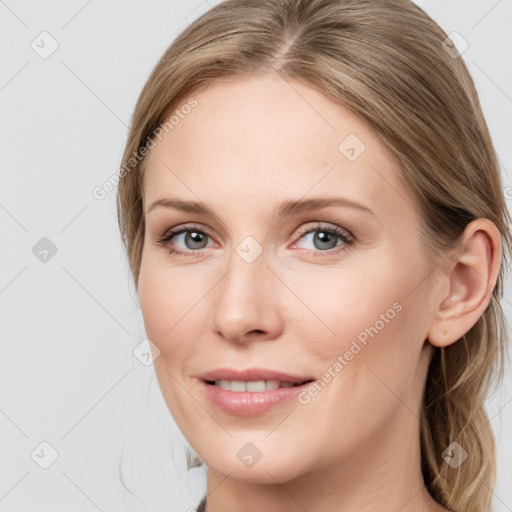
69	325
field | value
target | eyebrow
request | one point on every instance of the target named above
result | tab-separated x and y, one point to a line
286	208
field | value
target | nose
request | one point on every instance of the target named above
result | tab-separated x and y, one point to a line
246	302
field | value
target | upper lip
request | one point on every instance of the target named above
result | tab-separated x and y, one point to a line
252	374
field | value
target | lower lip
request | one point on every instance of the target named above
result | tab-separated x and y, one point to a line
250	403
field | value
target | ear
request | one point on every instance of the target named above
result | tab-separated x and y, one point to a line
469	275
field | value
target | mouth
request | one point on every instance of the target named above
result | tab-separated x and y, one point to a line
251	392
254	386
252	376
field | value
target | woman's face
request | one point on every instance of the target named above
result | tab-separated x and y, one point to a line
348	309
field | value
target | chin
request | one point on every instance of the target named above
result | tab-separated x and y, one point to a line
269	468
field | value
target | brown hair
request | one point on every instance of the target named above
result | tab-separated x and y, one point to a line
386	61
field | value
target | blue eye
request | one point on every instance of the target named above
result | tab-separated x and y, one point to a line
326	240
193	236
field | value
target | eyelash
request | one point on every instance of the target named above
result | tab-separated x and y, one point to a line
348	240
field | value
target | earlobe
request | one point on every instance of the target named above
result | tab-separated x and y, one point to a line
471	277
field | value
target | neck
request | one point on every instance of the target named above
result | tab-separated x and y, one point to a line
382	474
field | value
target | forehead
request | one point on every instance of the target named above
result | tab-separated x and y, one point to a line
270	137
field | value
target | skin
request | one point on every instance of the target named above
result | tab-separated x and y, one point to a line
247	146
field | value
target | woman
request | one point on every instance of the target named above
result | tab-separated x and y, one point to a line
313	215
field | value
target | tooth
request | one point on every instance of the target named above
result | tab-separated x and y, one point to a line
258	385
252	386
224	384
238	385
272	384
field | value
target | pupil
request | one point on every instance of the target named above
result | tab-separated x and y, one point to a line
194	238
324	238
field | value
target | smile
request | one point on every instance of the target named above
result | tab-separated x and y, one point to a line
252	386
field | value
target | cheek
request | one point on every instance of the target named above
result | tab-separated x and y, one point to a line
171	310
170	305
374	348
371	317
348	299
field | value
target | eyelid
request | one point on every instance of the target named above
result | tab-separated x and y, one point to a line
304	229
180	228
319	225
346	236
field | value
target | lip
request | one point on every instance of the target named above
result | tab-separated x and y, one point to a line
248	403
252	374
